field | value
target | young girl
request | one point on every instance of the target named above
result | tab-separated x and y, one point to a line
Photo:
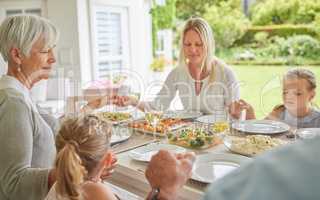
83	153
299	89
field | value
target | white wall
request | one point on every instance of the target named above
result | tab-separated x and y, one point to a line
15	4
73	50
72	18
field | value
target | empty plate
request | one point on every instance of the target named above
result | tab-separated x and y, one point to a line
210	167
266	127
145	153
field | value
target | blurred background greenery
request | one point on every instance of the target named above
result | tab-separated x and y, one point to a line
260	39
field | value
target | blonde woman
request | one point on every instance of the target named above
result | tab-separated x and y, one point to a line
83	153
203	82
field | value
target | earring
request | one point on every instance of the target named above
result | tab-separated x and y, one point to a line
19	68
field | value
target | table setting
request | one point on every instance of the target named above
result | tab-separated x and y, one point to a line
221	145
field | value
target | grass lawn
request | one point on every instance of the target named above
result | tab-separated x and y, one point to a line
261	86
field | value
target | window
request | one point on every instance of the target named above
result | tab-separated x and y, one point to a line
110	38
9	8
35	11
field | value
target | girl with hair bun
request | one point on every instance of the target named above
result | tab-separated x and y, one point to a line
82	155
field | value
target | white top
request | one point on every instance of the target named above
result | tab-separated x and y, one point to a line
214	95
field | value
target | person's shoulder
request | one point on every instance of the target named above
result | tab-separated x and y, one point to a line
224	69
316	112
177	73
315	118
264	168
221	64
178	70
12	98
97	191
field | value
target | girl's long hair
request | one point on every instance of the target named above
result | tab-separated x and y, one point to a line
81	144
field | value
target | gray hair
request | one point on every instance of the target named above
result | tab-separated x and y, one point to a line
22	31
302	73
205	32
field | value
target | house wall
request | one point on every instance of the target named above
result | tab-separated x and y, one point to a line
75	44
74	53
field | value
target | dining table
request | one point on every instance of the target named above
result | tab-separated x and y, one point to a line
129	174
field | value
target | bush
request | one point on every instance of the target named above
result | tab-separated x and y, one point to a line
284	11
301	45
285	30
261	38
227	21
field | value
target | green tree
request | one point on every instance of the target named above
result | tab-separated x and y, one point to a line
163	17
227	21
188	8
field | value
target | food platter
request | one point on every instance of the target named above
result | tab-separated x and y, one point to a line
115	117
161	129
251	145
194	138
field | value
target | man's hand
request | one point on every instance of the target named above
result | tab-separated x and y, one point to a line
169	172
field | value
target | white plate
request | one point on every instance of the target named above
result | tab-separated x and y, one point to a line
210	167
145	153
119	134
209	119
308	133
182	114
251	149
266	127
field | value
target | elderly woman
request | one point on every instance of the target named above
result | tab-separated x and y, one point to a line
203	82
27	142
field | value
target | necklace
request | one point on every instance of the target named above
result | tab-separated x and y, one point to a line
198	81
